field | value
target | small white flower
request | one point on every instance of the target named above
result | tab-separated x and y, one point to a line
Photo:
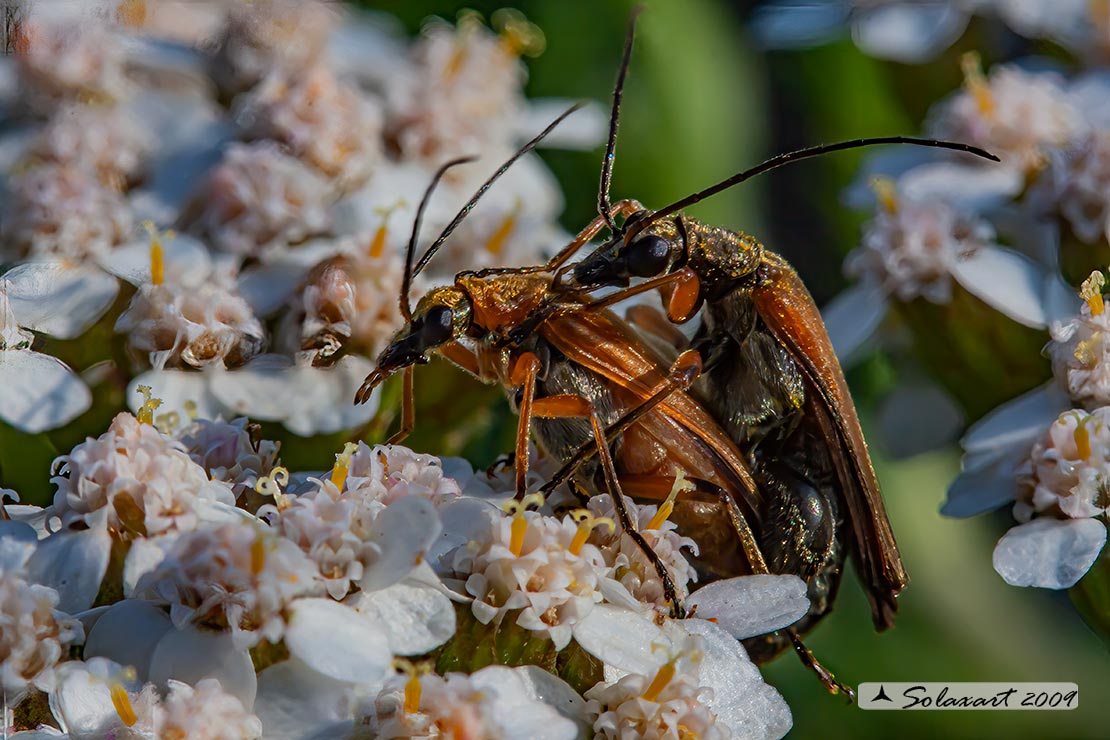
196	325
62	61
1068	472
1076	184
271	35
99	139
34	635
326	123
205	712
1080	350
494	703
911	248
98	698
62	210
633	568
260	200
143	481
229	451
233	576
40	391
536	569
721	691
1013	114
466	94
339	523
668	705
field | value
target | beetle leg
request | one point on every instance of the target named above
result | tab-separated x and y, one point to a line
461	356
621	208
523	374
681	302
408	408
571	406
652	321
828	680
684	371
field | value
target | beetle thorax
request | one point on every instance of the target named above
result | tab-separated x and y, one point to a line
719	256
501	302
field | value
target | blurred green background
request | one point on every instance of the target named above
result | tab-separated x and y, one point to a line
703	101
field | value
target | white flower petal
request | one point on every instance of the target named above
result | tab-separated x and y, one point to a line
1061	301
790	24
1049	553
554	692
189	655
522	715
984	488
741	699
184	257
58	298
144	556
40	392
266	287
17	544
416	618
405	531
971	188
622	639
1007	281
73	563
81	702
752	605
909	32
307	400
127	633
918	417
853	316
295	702
1017	423
178	390
338	641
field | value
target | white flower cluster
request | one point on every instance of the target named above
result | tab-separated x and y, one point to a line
216	622
289	143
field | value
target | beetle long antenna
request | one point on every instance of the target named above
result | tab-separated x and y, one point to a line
788	157
410	250
603	206
466	209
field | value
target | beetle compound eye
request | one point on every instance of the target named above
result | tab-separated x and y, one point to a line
647	256
437	327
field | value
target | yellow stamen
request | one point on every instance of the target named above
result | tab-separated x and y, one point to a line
886	193
1082	441
976	83
1091	292
157	255
191	409
662	678
168	422
667	507
271	485
343	465
145	414
377	245
122	702
1087	350
497	240
469	22
519	526
258	554
587	523
519	36
132	13
413	691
